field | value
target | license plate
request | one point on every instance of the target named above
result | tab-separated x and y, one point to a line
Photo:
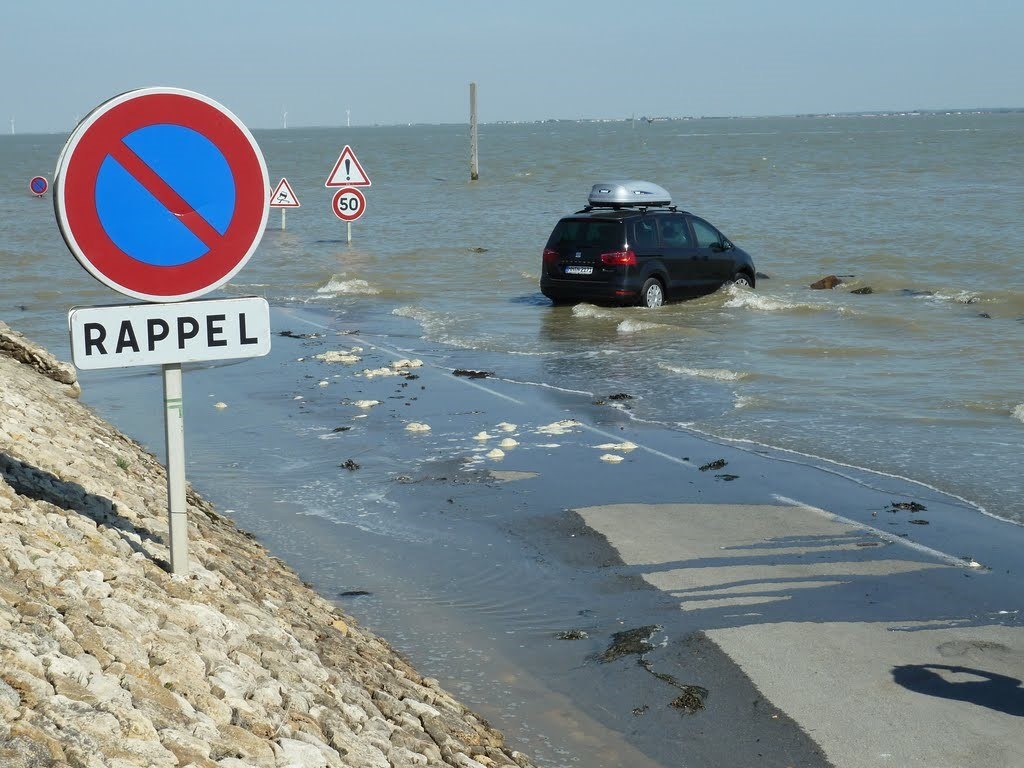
573	270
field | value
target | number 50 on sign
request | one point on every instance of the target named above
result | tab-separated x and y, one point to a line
349	204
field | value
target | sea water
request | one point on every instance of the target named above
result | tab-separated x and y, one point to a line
920	378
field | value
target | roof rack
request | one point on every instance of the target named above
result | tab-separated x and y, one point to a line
619	207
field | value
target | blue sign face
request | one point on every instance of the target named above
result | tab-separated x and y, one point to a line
39	185
137	218
161	194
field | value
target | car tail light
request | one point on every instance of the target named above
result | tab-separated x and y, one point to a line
550	256
618	258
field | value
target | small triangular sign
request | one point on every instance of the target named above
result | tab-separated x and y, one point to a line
284	197
347	171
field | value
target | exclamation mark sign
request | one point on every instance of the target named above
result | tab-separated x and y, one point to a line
348	169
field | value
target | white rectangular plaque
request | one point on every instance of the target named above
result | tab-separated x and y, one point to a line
178	332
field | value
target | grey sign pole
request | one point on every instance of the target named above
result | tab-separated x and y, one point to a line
174	424
474	160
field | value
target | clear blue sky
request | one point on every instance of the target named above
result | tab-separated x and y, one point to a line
404	62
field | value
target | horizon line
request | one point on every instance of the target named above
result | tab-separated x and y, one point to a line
642	118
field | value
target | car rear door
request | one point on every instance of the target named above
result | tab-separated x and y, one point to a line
579	244
679	250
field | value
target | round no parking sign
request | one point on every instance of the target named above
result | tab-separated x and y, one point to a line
160	193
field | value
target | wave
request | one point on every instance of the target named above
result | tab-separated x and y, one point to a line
740	298
590	310
338	286
960	297
637	326
440	326
629	325
1018	412
719	374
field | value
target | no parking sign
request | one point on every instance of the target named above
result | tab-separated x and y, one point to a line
160	193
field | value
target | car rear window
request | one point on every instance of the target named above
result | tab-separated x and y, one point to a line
587	232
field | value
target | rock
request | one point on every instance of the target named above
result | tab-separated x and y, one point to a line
909	506
716	464
572	634
691	700
630	642
295	754
30	747
16	346
469	374
8	695
341	626
866	290
831	281
241	744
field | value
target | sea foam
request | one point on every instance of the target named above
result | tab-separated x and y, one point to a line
337	286
719	374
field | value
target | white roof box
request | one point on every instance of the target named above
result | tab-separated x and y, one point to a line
615	194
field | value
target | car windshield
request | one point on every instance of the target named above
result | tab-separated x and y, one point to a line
587	232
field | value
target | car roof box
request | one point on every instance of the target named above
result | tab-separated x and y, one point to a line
621	194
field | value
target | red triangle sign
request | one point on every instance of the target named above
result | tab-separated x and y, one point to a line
283	196
347	171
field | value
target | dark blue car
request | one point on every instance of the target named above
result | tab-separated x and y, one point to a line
630	245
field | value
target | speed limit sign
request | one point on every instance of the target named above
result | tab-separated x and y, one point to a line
348	204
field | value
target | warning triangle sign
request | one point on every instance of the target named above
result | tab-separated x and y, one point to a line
284	197
347	171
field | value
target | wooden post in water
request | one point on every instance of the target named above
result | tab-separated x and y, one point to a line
474	160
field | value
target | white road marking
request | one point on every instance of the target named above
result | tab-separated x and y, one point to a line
890	537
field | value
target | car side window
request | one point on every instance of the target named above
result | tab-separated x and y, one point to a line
645	233
706	234
673	232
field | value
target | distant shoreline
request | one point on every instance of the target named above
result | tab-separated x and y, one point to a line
952	112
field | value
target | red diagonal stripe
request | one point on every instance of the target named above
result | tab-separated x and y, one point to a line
166	196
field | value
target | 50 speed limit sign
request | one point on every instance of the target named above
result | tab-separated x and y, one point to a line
348	204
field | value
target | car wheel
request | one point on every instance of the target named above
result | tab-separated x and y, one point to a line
652	294
742	279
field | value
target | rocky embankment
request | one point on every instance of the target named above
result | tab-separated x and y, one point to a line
108	660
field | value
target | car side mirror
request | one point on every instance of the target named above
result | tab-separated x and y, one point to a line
717	248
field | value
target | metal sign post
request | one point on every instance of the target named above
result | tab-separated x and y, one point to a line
174	427
160	194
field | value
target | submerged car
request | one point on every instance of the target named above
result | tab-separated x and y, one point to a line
631	245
